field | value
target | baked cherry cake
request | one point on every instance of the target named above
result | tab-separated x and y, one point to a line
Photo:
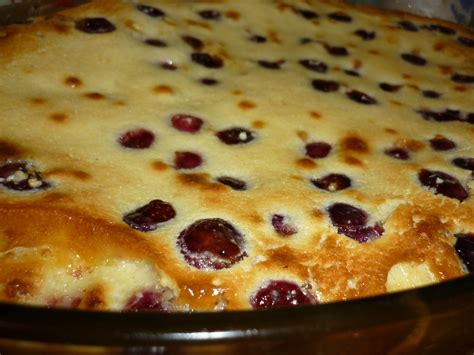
220	155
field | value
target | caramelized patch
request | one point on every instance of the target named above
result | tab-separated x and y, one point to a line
17	288
273	37
412	145
94	96
390	131
303	135
460	88
233	15
37	101
406	76
318	214
58	117
396	103
445	70
130	24
356	63
68	173
306	163
60	28
163	89
198	24
352	160
315	115
439	46
374	52
237	92
158	165
247	105
94	298
258	124
200	181
73	82
355	144
9	150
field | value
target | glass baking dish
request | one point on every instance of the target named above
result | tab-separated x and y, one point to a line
433	319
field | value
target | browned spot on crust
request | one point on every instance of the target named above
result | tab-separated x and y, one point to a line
163	89
413	86
460	88
315	115
303	135
120	103
297	178
306	163
232	14
224	54
273	37
391	131
412	145
158	165
94	298
258	124
352	160
16	288
58	117
396	103
317	213
439	46
198	24
247	105
200	181
356	63
94	96
37	101
77	174
374	52
73	82
254	218
236	92
60	28
445	70
9	150
283	7
406	76
355	144
130	24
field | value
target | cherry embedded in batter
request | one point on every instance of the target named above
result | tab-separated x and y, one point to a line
464	247
441	143
439	28
325	85
150	216
281	293
271	65
186	123
210	14
22	176
314	65
193	42
211	243
389	87
413	59
283	225
233	183
317	150
332	182
207	60
137	139
145	301
462	78
336	51
465	41
464	163
258	39
150	10
235	135
361	97
408	26
365	35
154	42
397	153
187	160
440	116
442	183
340	16
308	14
95	25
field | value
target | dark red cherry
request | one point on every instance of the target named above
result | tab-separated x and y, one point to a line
397	153
233	183
236	135
365	35
413	59
442	183
464	163
340	16
389	87
465	41
361	97
351	72
283	225
464	247
344	215
145	301
95	25
258	39
462	78
408	26
325	85
207	60
271	64
280	293
439	28
150	216
362	234
193	42
186	123
442	116
137	139
336	51
150	10
210	14
187	160
431	94
317	150
441	143
156	42
211	243
332	182
168	65
308	14
314	65
209	81
22	176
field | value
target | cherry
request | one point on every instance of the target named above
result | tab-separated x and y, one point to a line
194	42
468	42
325	85
439	28
207	60
258	39
187	160
397	153
351	72
464	247
95	25
332	182
156	42
318	150
210	14
361	97
280	293
209	81
283	225
308	14
464	163
314	65
186	123
22	176
233	183
340	16
443	116
145	301
150	10
413	59
211	243
462	78
443	184
365	35
441	143
431	94
408	26
236	135
271	65
150	216
389	87
336	51
137	139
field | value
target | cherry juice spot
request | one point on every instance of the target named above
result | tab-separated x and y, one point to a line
150	216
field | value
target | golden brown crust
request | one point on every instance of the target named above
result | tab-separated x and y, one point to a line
67	96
